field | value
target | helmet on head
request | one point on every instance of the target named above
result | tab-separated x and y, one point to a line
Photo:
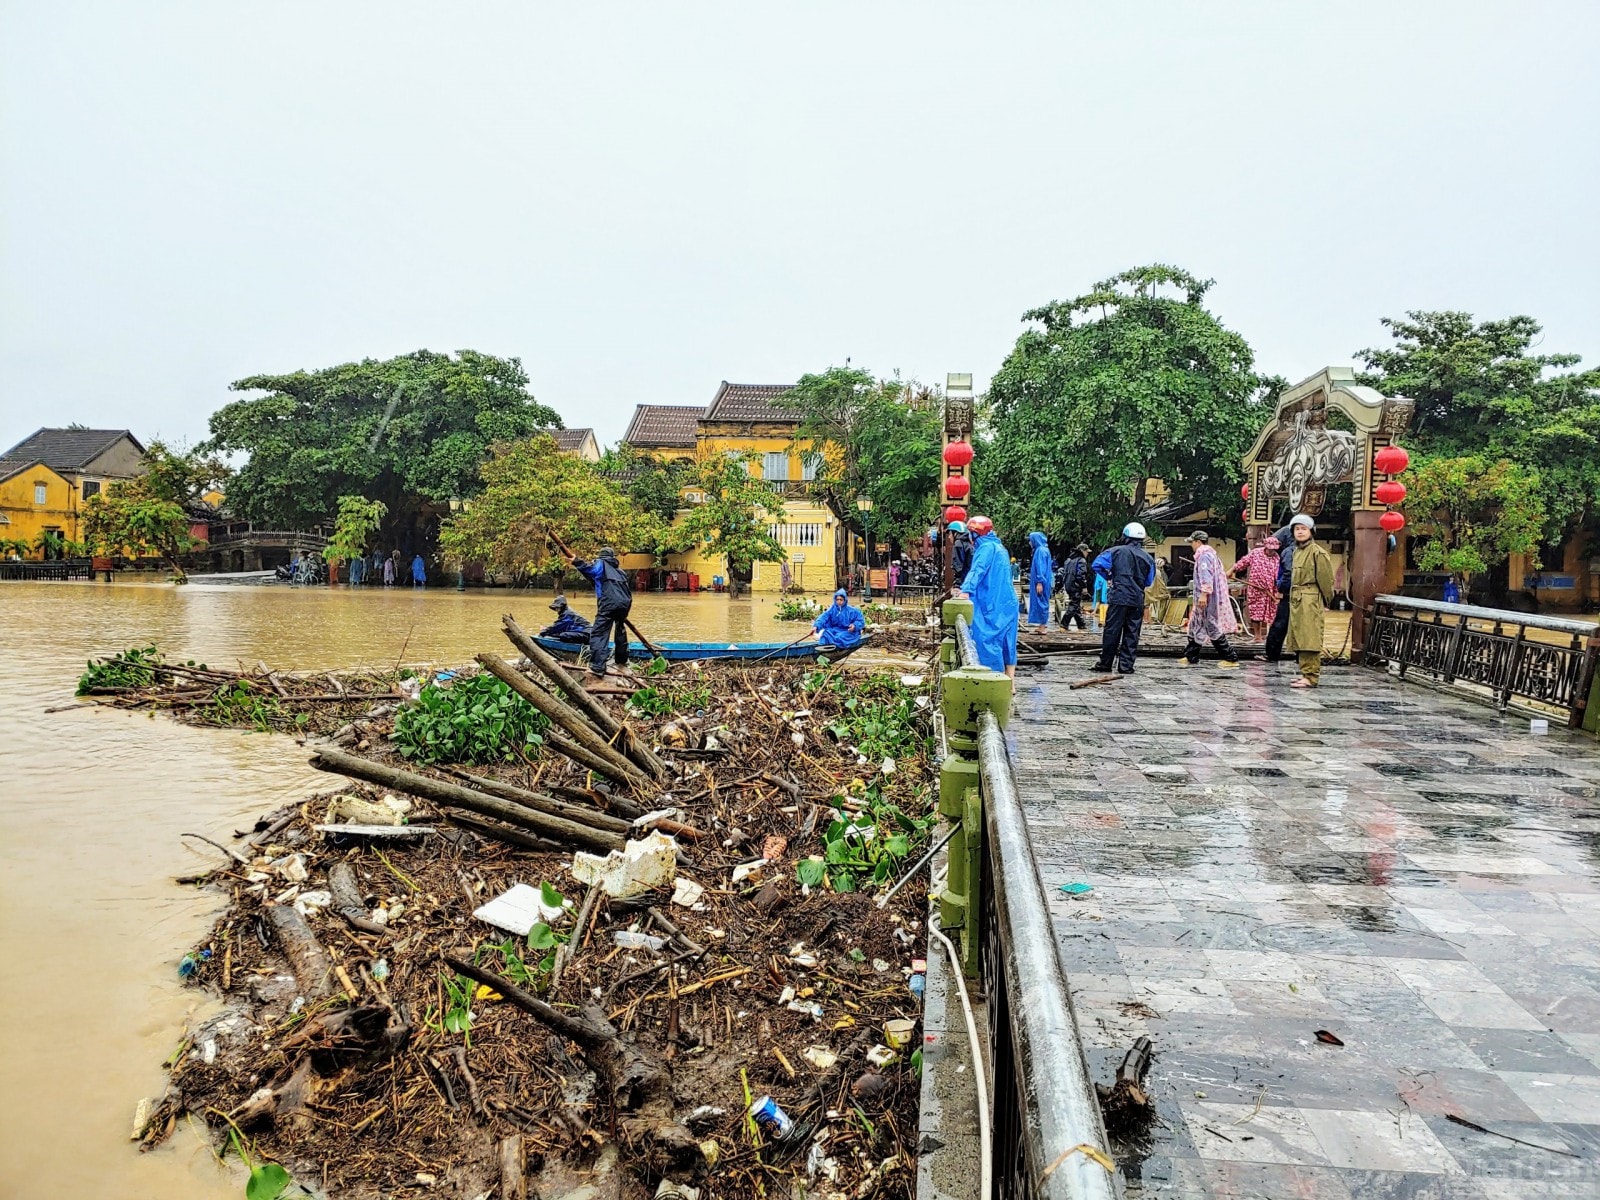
1133	530
980	525
958	526
1303	519
1200	535
559	603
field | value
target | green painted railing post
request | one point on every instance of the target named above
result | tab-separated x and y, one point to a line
965	692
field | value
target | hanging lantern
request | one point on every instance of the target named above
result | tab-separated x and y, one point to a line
1244	515
1244	492
1390	491
958	453
954	513
1392	521
957	487
1391	460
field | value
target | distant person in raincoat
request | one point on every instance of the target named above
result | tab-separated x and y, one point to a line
994	599
569	626
419	572
960	551
1310	593
1041	578
1127	569
1210	608
840	624
1074	583
1261	588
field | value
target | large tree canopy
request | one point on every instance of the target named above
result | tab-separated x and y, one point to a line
1480	393
882	440
403	431
1110	389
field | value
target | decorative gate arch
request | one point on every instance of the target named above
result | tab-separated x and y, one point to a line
1296	458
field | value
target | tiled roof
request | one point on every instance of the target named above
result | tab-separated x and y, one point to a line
67	449
12	466
663	425
571	439
750	402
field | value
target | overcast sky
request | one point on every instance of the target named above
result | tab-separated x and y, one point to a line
641	200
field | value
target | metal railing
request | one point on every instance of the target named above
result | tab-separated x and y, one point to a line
1048	1136
48	569
1490	648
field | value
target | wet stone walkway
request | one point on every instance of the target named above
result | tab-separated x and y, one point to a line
1406	870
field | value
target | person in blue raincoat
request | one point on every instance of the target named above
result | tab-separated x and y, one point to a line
840	624
994	599
1041	578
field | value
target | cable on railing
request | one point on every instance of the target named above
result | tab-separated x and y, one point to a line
1067	1157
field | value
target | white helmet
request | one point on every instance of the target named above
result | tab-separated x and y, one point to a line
1133	529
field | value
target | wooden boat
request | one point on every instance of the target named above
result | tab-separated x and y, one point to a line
689	651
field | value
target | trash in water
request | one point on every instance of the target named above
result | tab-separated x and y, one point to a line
629	940
749	870
188	965
898	1033
641	866
519	910
819	1057
1329	1038
676	1191
353	810
774	1122
918	985
711	1151
686	892
1538	726
881	1056
810	1007
1077	889
871	1087
380	970
704	1115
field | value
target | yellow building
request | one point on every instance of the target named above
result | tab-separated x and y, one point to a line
35	501
747	418
84	460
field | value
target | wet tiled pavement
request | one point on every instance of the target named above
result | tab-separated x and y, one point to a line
1405	869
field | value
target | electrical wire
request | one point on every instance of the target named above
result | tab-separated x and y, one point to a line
980	1075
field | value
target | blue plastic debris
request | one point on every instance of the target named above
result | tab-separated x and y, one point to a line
1076	889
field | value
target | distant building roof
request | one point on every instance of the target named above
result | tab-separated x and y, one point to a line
663	425
65	449
15	466
571	439
751	402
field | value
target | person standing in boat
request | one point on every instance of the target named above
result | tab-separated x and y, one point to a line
613	595
840	624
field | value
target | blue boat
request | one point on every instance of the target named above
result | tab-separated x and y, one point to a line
690	651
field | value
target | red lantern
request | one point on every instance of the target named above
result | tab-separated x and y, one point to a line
1391	460
957	487
1244	515
958	453
1244	492
1390	492
954	513
1392	521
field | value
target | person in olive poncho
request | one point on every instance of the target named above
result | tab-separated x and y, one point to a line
1310	593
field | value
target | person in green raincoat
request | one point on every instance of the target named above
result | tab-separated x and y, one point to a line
1310	593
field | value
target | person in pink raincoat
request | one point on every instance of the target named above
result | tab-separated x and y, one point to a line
1210	609
1261	590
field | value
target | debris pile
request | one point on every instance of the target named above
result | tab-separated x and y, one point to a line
638	954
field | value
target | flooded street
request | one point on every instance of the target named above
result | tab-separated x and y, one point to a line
93	804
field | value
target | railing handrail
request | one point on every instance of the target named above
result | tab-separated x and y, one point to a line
964	642
1063	1111
1504	616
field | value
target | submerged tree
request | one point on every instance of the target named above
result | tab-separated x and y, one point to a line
151	513
532	494
405	431
1109	390
733	520
358	519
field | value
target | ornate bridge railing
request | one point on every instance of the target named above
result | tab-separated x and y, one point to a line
1547	661
1049	1141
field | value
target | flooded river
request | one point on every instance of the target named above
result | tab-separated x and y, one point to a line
92	806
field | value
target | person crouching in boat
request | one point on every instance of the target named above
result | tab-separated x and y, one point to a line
840	624
569	626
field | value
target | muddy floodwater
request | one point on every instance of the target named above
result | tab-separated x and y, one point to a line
92	806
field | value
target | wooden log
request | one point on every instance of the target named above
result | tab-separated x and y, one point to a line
306	956
347	900
562	744
513	1168
611	727
272	679
452	795
503	833
542	802
568	718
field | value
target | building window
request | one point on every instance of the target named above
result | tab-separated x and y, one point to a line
810	465
797	533
41	493
91	487
775	466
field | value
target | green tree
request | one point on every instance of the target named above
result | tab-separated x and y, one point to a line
151	513
358	519
1480	392
732	522
1472	512
405	431
531	492
1108	390
655	486
870	438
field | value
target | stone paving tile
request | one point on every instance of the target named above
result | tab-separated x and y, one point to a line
1407	869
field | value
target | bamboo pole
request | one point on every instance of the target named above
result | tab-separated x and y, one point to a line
584	814
569	719
452	795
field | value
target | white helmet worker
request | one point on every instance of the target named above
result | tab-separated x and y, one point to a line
1133	530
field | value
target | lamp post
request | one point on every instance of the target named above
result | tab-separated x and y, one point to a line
457	506
864	507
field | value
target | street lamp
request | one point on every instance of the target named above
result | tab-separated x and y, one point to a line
864	507
458	506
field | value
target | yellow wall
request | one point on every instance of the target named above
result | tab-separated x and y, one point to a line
29	520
